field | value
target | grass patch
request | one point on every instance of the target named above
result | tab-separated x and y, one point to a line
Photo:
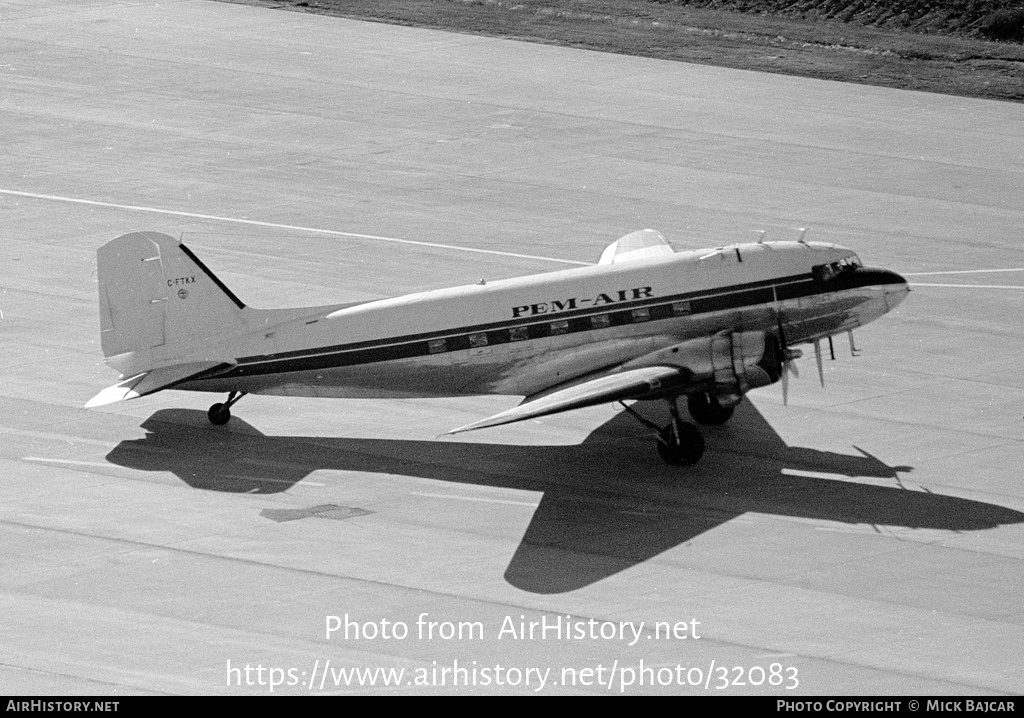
1006	25
945	46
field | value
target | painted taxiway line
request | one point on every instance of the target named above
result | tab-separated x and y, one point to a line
418	243
71	462
62	438
275	225
963	271
531	504
968	286
233	477
261	479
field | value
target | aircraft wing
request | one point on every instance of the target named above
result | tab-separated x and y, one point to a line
636	245
154	380
631	384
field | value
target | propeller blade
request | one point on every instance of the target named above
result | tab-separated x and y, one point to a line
785	388
817	358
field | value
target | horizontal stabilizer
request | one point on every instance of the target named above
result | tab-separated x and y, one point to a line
155	380
641	244
632	384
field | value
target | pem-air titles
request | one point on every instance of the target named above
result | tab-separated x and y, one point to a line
562	305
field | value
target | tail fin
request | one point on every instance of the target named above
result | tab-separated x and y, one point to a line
155	293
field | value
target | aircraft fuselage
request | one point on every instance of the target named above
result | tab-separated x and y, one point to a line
524	335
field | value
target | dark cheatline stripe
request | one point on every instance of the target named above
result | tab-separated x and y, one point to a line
866	277
572	322
765	285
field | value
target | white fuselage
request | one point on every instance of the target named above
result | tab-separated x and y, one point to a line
521	336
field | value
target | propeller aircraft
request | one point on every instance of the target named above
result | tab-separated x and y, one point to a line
645	323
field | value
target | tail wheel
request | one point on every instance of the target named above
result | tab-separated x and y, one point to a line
705	409
219	414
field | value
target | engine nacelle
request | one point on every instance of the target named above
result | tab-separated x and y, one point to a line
728	364
746	360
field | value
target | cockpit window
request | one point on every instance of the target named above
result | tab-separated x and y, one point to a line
825	272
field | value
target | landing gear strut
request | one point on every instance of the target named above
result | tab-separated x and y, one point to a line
679	443
220	414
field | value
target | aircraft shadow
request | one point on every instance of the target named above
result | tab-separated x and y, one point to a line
607	504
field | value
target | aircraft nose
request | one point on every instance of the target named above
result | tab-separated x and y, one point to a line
893	285
880	277
896	288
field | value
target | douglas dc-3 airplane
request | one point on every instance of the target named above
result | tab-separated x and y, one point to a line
646	322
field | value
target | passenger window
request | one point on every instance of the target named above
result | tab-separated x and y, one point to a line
477	340
560	327
518	334
600	321
680	308
641	315
436	346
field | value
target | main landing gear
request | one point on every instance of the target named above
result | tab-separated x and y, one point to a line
219	414
679	443
706	409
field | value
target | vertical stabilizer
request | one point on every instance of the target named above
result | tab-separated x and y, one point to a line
154	292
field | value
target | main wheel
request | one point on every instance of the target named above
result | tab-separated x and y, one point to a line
705	409
680	444
219	414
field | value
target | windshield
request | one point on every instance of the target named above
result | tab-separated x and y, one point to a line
825	272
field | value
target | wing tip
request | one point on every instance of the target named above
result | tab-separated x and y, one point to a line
468	427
